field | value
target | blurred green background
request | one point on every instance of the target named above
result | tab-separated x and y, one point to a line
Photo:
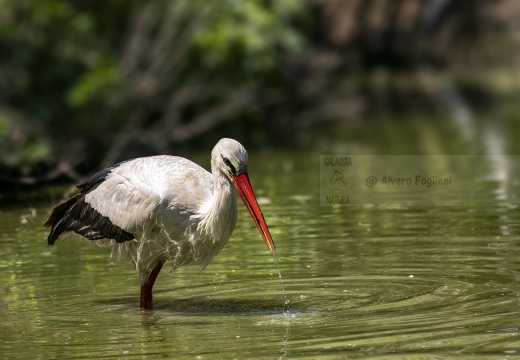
84	84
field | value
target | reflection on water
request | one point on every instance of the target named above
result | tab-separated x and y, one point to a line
360	282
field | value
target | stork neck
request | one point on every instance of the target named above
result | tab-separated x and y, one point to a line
221	215
224	194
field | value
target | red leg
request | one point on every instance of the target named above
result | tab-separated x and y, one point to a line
146	288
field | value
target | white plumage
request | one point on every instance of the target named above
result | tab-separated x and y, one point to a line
162	208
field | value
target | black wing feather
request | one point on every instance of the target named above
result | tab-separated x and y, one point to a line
99	177
76	215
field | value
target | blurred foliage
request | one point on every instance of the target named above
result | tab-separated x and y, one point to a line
54	65
242	34
84	84
62	66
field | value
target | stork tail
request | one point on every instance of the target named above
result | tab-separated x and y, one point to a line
57	214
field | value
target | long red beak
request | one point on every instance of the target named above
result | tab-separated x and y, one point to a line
245	191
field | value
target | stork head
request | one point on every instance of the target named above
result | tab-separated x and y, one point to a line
230	158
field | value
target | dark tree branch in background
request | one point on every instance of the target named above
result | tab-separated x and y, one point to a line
155	61
207	120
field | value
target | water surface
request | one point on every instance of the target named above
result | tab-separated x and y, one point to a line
386	282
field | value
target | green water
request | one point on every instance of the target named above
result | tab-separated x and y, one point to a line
385	282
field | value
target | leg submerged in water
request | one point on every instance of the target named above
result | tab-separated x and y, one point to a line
146	288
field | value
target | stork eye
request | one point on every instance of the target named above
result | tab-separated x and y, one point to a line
229	164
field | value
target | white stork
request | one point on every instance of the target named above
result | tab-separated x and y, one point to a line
162	208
